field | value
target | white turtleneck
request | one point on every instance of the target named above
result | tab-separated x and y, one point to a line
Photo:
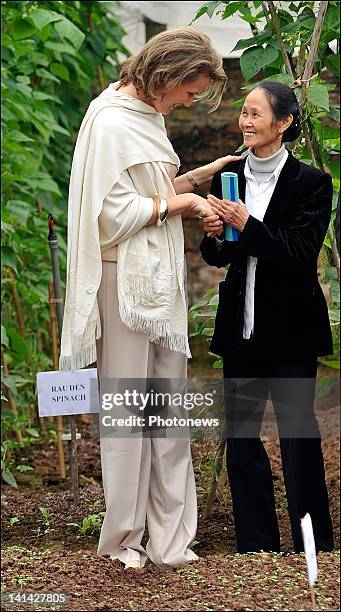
261	174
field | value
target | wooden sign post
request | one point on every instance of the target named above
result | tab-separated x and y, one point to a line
58	300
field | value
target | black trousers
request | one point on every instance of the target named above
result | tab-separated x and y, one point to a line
248	381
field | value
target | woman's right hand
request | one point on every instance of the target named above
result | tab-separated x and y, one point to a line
190	204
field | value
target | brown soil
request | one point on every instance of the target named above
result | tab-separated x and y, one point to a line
49	555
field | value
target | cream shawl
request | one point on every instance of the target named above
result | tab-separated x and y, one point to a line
118	132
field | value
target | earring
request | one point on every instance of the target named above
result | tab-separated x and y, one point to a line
279	134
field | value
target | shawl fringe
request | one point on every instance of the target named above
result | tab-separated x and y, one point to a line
157	330
85	355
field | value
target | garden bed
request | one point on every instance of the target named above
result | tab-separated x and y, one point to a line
43	552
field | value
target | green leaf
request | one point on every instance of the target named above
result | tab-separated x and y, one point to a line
97	42
256	58
44	74
305	20
67	29
4	337
24	468
39	95
48	184
244	43
241	148
318	95
218	364
231	8
9	477
60	70
334	167
60	47
280	78
19	346
332	18
334	113
202	11
33	432
211	7
23	79
7	228
20	209
250	18
333	363
332	62
40	18
23	29
19	136
9	258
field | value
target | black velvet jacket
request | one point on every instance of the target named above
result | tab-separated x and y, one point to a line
291	315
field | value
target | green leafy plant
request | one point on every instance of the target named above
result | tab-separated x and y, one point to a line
91	524
56	56
46	518
95	505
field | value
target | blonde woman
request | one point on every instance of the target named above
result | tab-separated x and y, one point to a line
126	298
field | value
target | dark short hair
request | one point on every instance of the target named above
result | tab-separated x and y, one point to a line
283	102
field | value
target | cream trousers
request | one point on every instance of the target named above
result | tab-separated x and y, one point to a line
143	477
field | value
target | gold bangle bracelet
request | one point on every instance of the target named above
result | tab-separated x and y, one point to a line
157	202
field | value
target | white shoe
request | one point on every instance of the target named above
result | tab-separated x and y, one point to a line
135	563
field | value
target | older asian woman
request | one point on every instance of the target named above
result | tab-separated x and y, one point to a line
272	320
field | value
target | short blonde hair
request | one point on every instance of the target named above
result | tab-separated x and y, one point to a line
174	57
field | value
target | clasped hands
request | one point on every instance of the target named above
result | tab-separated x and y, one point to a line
217	212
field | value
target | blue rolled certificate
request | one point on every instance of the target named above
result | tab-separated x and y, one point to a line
229	188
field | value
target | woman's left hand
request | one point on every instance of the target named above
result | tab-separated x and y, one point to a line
231	213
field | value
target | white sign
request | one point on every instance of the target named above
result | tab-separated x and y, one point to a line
64	393
309	548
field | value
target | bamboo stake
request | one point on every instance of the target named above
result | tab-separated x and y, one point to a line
72	444
300	60
313	597
40	349
266	12
218	464
11	400
315	39
59	419
17	306
253	26
277	27
335	252
74	462
42	426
